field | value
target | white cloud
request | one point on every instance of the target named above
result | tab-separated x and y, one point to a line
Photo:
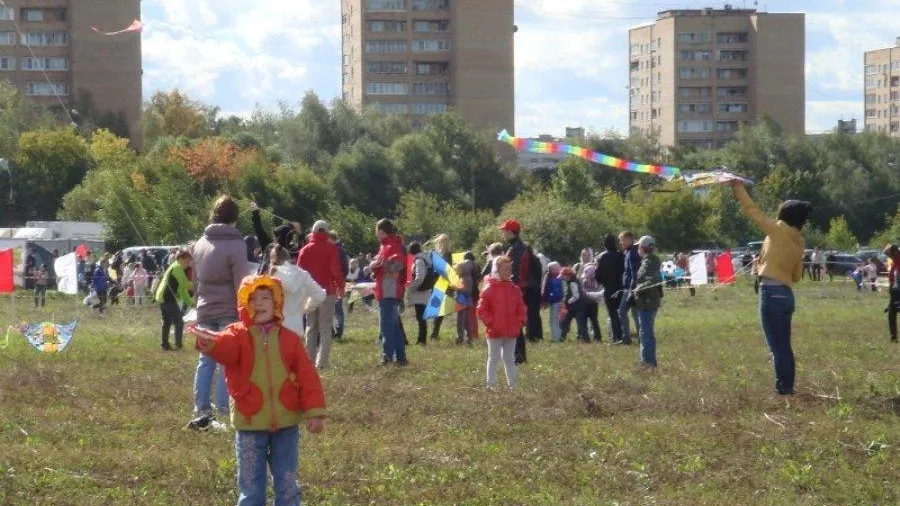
823	115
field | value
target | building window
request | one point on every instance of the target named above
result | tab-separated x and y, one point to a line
870	81
693	108
695	126
895	81
35	15
635	49
386	67
726	74
431	88
732	108
729	55
693	91
387	89
7	63
692	73
45	89
635	66
895	65
870	113
871	69
428	108
46	38
689	37
895	95
633	116
731	38
697	143
7	13
726	126
430	5
385	5
428	45
7	38
386	46
731	91
432	69
386	26
45	64
392	108
431	26
694	55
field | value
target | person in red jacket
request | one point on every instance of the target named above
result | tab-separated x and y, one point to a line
273	387
322	260
502	310
893	254
390	281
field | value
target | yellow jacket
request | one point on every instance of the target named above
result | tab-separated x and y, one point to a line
781	258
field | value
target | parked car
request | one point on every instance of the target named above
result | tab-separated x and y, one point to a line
159	253
841	264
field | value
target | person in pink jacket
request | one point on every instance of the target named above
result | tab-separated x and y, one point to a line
502	310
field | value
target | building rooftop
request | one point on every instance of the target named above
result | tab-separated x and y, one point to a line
708	11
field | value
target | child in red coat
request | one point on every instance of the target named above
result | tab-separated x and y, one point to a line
273	387
502	310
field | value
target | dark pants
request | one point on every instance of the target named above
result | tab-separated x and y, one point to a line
171	316
776	308
338	319
817	273
101	301
612	308
591	311
534	328
422	322
436	330
892	310
40	295
576	312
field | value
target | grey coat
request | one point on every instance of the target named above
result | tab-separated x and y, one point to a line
220	263
648	292
415	296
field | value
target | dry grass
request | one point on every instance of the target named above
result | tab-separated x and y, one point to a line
102	423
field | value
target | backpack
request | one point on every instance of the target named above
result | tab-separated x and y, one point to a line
431	277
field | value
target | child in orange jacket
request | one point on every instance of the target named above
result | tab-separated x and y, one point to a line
273	387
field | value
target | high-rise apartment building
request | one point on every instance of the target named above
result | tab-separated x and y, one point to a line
697	75
49	52
420	57
882	90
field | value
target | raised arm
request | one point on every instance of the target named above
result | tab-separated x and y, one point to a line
763	222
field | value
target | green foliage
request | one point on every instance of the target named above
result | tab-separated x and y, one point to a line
48	164
364	178
572	182
355	229
840	237
175	114
890	234
418	167
424	216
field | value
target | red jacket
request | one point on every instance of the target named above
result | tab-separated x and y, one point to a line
388	269
894	273
271	380
322	261
501	308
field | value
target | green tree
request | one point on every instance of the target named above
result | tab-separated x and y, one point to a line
355	229
48	164
175	114
839	235
364	178
573	183
418	167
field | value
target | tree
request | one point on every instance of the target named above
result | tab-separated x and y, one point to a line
175	114
363	178
839	235
573	183
48	164
214	162
419	168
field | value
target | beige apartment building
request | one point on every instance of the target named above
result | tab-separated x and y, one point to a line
696	75
50	53
421	57
882	90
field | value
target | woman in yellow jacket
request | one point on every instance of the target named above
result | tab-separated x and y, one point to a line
780	265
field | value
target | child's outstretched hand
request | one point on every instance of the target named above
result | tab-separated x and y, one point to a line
203	336
315	425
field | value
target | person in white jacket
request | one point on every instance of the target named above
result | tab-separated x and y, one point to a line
301	295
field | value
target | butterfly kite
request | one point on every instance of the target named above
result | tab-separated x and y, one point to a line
135	26
46	337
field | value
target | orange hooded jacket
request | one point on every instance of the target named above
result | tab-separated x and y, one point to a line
271	381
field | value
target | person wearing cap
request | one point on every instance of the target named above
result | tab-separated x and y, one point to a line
780	266
321	259
526	274
648	291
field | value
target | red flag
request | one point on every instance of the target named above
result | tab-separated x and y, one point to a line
724	268
7	285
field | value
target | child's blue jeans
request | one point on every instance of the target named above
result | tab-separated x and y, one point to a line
256	448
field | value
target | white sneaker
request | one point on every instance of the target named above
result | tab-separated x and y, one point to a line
218	426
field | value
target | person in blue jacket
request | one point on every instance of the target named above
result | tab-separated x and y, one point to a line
553	296
99	284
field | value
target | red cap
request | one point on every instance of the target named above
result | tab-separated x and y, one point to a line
511	226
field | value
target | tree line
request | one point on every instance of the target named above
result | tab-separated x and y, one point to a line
353	167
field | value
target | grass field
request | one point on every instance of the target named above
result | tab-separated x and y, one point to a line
103	422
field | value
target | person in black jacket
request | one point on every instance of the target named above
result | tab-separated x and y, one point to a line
526	274
610	268
282	233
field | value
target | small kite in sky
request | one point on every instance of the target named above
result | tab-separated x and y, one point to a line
135	26
713	177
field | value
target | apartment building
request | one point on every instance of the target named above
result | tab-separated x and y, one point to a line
696	75
421	57
882	90
49	52
549	161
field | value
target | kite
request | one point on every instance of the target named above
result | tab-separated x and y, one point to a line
699	179
135	26
532	146
46	337
439	304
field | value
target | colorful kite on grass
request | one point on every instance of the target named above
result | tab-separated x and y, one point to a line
439	304
135	26
46	337
533	146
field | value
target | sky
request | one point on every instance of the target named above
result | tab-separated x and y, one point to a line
571	56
